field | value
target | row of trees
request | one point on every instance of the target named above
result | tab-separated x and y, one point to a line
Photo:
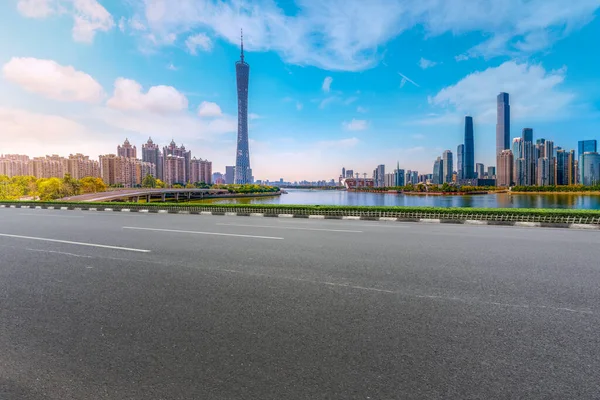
29	187
19	187
553	188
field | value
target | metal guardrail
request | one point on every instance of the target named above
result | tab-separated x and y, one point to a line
409	215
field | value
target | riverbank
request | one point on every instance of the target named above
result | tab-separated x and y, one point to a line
482	192
579	193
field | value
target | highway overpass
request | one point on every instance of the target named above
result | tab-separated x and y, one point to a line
149	195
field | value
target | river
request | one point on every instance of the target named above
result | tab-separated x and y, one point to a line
503	200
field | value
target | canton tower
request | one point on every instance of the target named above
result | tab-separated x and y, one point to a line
243	173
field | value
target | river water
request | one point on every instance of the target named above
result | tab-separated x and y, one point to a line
504	200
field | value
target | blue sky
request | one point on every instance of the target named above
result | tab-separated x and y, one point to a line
332	82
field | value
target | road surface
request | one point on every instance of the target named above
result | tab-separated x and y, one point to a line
101	305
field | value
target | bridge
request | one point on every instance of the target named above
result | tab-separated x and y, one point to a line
149	195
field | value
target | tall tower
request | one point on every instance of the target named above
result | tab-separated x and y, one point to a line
243	173
469	150
503	123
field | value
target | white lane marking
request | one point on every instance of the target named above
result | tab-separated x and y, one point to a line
49	215
292	228
58	252
202	233
104	246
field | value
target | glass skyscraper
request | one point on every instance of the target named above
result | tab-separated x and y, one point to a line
469	150
448	166
460	157
527	135
589	168
503	123
243	173
586	146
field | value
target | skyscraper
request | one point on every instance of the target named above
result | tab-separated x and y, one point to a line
175	170
379	176
480	170
127	150
469	150
438	171
460	159
151	153
242	162
589	168
527	135
586	146
229	174
505	169
503	123
549	154
448	166
491	171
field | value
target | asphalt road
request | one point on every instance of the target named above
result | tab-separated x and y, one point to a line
158	306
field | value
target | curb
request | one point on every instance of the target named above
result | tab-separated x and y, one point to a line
521	224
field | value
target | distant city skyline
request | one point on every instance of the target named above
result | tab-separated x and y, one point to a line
78	79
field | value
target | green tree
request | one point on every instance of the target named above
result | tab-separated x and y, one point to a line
50	189
149	181
89	184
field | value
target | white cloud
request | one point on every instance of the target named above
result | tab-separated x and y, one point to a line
37	8
361	109
52	80
534	93
128	95
253	116
209	109
25	125
89	16
322	36
328	100
199	41
461	57
355	125
326	86
299	106
424	63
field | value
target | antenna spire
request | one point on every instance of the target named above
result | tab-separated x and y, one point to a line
242	39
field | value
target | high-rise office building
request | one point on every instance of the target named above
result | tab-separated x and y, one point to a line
589	168
469	151
572	168
543	171
503	123
448	166
480	171
519	172
379	176
527	135
343	172
517	148
229	174
549	154
127	150
586	146
151	153
242	162
491	171
438	171
505	168
460	159
349	173
400	179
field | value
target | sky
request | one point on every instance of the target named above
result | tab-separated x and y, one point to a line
333	83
